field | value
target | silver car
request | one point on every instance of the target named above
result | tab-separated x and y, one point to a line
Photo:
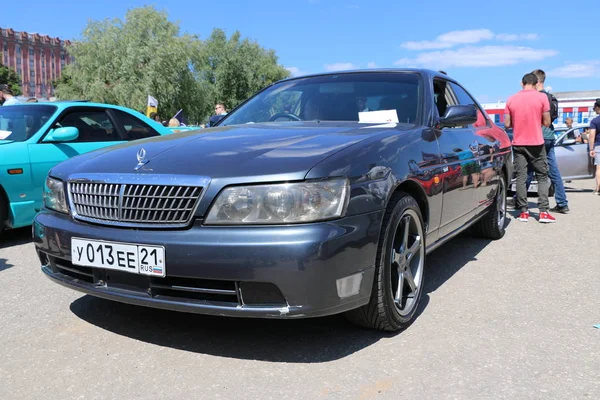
572	158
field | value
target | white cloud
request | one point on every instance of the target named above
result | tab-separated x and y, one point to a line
371	65
584	69
340	66
477	56
451	39
469	36
511	37
296	71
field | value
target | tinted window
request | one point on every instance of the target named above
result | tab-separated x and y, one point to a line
93	126
333	98
135	128
19	123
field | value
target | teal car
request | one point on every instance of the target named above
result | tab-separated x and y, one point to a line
175	129
35	137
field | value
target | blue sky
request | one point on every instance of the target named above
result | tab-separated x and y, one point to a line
487	46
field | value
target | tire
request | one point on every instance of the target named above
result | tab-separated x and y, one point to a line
492	225
551	190
400	262
3	213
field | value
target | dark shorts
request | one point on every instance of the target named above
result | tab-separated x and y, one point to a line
469	168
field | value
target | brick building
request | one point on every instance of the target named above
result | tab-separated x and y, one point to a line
38	59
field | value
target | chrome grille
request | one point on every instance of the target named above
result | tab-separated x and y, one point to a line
134	204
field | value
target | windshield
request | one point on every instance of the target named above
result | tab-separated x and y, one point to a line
360	97
19	123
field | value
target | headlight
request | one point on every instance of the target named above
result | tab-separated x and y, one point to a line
54	195
280	203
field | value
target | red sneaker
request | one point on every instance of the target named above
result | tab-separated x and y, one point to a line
524	217
546	218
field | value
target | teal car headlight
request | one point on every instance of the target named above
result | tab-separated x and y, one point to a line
280	203
54	195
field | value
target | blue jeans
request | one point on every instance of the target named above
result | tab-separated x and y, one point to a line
560	196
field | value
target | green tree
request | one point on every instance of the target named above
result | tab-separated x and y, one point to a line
122	62
10	77
236	68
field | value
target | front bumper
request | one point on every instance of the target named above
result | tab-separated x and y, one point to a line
259	271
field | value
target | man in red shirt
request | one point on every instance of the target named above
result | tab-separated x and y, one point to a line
526	112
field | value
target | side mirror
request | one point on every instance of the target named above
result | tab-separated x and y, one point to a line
568	142
66	134
459	115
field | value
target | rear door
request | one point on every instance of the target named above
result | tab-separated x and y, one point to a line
131	126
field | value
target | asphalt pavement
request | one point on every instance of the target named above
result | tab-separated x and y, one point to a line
509	319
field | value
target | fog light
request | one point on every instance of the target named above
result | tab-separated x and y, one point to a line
349	286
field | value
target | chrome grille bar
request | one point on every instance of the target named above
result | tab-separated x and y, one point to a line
134	204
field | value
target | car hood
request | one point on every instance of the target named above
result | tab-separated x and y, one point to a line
241	151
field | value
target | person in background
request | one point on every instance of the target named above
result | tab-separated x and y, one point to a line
585	135
173	122
576	132
594	144
220	111
526	112
154	116
6	96
562	204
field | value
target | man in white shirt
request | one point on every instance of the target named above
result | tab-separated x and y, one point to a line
6	96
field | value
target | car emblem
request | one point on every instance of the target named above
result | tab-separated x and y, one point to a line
141	157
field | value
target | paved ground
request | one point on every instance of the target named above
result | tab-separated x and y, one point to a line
511	319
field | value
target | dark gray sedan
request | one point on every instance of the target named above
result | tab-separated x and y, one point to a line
318	195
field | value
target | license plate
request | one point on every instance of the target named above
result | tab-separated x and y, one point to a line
125	257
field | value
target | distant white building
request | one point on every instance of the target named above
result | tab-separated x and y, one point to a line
576	105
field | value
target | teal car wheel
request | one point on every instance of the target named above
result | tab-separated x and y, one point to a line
3	213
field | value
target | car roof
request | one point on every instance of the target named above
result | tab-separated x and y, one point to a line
74	103
423	71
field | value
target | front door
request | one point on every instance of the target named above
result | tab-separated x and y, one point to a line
461	169
96	130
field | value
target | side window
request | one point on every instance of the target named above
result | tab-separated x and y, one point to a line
464	98
135	128
443	96
93	126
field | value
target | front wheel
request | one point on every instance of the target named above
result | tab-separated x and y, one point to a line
491	225
3	214
400	269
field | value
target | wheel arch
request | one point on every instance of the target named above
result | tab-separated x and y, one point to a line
415	190
4	207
